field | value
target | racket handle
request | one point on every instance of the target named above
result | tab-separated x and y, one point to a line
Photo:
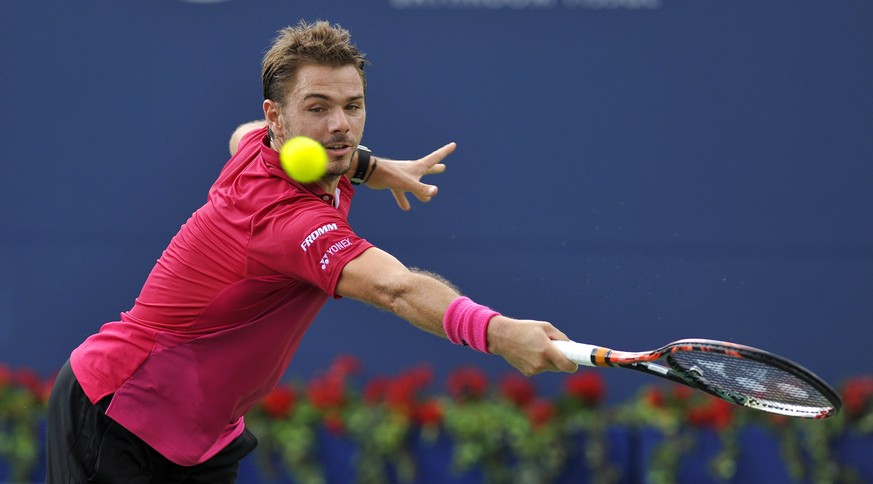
579	353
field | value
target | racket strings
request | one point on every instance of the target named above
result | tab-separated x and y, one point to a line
769	385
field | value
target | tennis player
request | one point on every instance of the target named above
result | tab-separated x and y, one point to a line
160	395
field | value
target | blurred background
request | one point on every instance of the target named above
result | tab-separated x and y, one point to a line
634	171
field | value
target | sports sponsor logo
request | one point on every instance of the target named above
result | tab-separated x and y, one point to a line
310	239
334	249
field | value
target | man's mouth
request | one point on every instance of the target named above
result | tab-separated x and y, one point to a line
338	149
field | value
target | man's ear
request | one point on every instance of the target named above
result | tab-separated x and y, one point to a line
273	116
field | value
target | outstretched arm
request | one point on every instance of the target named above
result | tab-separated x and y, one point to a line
378	278
399	176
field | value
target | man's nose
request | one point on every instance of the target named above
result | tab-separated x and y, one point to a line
339	122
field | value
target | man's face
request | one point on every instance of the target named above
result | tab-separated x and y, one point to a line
326	104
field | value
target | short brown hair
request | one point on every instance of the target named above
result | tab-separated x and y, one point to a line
316	43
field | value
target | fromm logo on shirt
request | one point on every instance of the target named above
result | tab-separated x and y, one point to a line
308	241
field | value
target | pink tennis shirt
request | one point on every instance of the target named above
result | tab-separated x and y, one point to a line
224	308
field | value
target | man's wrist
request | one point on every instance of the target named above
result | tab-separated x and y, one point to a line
466	323
363	167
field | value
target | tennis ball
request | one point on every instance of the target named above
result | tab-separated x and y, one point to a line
303	159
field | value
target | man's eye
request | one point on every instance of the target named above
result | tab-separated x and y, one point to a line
316	109
353	107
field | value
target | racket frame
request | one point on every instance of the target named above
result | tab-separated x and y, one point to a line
598	356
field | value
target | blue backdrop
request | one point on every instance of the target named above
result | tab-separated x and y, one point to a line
635	171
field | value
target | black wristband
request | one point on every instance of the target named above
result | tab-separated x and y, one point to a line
363	165
373	170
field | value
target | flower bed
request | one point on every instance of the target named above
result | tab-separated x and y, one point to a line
500	430
508	433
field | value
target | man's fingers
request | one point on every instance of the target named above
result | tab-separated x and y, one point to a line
438	155
557	357
426	192
555	333
564	364
409	179
435	169
402	202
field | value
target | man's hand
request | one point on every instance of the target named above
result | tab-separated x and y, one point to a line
527	345
241	131
405	176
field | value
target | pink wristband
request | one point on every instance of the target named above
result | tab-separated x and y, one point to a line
466	323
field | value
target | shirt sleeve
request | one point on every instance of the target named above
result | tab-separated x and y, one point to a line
310	242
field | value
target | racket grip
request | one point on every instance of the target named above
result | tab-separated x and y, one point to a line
579	353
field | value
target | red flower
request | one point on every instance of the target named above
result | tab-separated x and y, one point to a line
279	402
715	413
858	396
376	390
586	386
723	413
540	412
517	389
345	365
47	385
30	380
402	393
699	416
334	423
682	393
429	413
326	392
5	375
467	384
422	376
654	397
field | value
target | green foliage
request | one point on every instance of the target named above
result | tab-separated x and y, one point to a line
23	396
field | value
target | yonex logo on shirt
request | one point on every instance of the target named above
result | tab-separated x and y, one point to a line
316	234
333	249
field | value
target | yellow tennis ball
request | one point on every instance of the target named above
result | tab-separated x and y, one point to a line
303	159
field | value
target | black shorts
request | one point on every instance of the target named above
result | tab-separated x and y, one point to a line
84	445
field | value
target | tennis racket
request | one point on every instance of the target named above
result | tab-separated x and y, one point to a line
739	374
